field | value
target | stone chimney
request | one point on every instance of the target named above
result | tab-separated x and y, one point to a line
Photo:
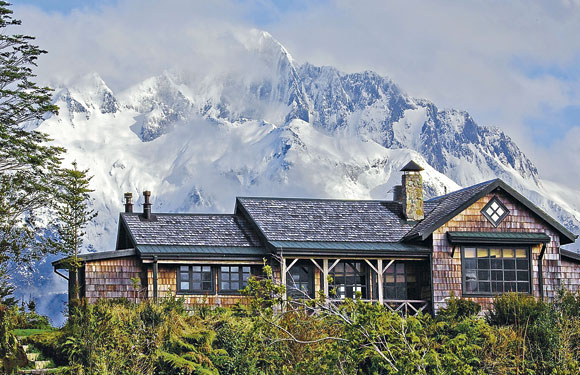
128	204
413	192
147	205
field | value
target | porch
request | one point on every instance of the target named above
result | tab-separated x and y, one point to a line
402	284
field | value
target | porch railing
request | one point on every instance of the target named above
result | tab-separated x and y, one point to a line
408	306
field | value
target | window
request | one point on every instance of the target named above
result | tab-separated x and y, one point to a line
300	281
195	279
233	278
495	211
348	278
495	270
400	281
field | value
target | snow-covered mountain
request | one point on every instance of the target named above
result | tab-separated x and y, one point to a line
263	125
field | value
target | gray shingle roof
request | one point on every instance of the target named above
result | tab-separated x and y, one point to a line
192	230
289	219
444	206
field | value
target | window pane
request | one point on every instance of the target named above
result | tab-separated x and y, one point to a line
184	285
484	287
225	285
206	269
523	287
225	269
483	275
471	286
235	285
184	268
246	269
522	276
225	276
509	264
497	275
234	269
509	275
497	287
196	268
483	264
470	263
196	285
508	253
206	276
235	276
496	264
196	276
469	252
521	253
522	264
495	253
471	275
482	253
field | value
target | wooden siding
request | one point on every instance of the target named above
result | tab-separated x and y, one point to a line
167	286
571	275
111	278
447	270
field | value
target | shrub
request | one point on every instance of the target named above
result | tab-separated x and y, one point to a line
458	309
515	309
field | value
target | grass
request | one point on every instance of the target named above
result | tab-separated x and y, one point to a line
30	332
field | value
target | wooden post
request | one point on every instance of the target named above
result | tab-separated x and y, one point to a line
283	275
380	280
325	276
155	270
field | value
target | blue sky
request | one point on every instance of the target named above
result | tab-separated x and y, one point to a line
515	65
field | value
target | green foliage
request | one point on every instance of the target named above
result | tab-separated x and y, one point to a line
458	309
28	165
12	355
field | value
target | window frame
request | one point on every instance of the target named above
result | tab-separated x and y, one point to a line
501	218
409	269
311	281
365	270
491	294
190	274
240	279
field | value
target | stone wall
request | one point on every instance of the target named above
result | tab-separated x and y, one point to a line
447	269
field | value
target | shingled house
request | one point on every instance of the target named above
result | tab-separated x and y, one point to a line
408	254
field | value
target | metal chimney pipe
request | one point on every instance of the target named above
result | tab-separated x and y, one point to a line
128	204
147	205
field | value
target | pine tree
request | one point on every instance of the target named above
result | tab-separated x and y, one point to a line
28	165
74	213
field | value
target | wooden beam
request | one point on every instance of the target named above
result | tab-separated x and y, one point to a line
291	264
155	271
325	276
380	280
388	265
333	265
283	275
371	266
316	264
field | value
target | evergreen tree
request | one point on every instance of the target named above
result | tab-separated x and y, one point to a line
74	213
28	165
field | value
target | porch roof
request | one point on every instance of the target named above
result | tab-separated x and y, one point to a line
498	237
213	251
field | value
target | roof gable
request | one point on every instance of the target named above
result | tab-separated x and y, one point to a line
450	205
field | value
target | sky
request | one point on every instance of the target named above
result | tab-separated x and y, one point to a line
514	65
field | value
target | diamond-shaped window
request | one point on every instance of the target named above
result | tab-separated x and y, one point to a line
495	211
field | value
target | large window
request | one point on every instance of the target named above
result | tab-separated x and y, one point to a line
348	278
195	279
400	281
233	278
491	270
300	280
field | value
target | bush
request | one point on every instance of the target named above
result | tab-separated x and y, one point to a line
458	309
515	309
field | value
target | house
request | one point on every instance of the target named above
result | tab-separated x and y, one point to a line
407	253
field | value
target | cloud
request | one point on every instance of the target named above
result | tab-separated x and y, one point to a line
504	62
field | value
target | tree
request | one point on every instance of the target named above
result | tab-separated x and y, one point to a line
28	164
74	213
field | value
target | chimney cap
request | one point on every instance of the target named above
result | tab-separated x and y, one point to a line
412	167
128	195
147	193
